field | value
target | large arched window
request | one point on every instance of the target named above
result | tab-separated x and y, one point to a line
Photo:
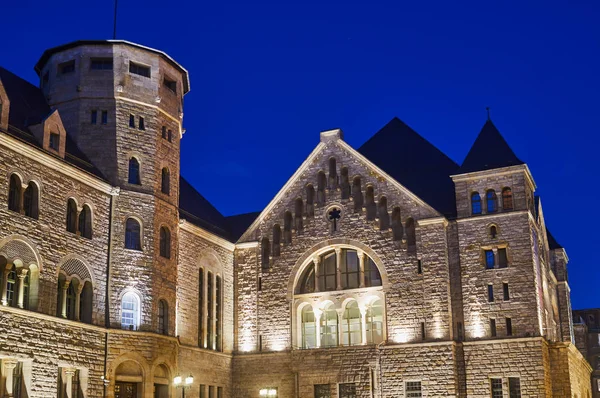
165	242
14	193
130	311
134	172
475	203
31	200
329	326
374	322
309	328
507	199
85	222
163	317
133	234
351	325
71	216
165	186
491	201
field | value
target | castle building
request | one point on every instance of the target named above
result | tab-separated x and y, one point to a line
586	325
383	271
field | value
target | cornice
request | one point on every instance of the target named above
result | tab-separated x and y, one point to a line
432	221
247	245
492	216
204	234
496	172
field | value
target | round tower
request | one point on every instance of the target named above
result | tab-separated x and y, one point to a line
122	105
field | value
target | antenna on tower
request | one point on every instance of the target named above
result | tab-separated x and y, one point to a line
115	21
487	108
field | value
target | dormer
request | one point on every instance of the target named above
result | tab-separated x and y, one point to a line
4	108
51	134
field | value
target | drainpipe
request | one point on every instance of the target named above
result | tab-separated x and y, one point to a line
106	297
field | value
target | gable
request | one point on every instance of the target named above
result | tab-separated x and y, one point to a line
330	171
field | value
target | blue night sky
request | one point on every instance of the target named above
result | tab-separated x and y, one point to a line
267	77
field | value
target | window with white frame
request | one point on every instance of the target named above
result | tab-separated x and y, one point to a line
130	311
413	389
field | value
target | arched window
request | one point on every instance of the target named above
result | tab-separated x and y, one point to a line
134	172
163	317
165	186
345	183
507	199
374	322
14	193
329	326
370	203
298	212
86	303
491	201
372	275
265	252
350	269
130	311
321	181
333	180
71	299
357	195
71	216
165	242
475	203
276	240
310	200
309	328
85	222
397	228
11	287
351	325
133	234
384	217
411	236
287	227
307	280
31	200
493	232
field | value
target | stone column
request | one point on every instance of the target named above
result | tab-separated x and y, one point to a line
317	261
318	313
8	367
78	300
22	275
338	267
68	382
63	307
340	313
363	324
5	273
361	263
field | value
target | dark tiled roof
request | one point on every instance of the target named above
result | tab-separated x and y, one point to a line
489	151
415	163
552	243
239	223
28	107
196	209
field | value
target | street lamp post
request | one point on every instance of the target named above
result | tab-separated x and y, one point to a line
177	381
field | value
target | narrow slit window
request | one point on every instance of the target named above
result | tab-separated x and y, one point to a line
505	291
104	117
502	258
141	125
509	329
94	117
490	291
493	327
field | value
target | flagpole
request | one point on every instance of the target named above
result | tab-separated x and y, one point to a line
115	21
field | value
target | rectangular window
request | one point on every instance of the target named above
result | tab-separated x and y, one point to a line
164	132
502	258
419	267
170	84
509	331
347	390
211	391
493	327
202	391
413	389
496	385
259	288
489	259
66	67
350	269
169	135
322	391
490	293
505	291
328	273
514	387
131	121
218	313
201	309
219	392
209	312
138	69
54	141
104	117
94	117
423	331
101	64
141	125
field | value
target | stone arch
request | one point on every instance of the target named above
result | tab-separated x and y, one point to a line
209	260
327	245
131	365
162	371
19	248
75	265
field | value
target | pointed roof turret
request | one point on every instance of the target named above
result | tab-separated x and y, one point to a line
489	151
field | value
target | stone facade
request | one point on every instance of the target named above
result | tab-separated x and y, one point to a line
90	314
587	339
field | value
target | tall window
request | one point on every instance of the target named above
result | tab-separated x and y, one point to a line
11	287
164	132
31	200
491	201
493	327
490	261
351	325
514	387
507	199
218	313
201	308
502	258
163	317
165	242
350	269
14	193
505	291
131	121
133	235
411	234
71	216
374	322
265	253
104	117
209	312
134	172
85	222
490	290
328	273
71	301
496	385
165	186
307	280
509	331
130	311
141	125
475	203
329	326
309	328
54	142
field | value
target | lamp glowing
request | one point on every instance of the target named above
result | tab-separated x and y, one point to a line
264	392
189	380
272	393
177	380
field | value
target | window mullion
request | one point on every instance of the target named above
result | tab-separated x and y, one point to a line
338	266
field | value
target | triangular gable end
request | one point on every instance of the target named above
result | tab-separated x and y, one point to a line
332	140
